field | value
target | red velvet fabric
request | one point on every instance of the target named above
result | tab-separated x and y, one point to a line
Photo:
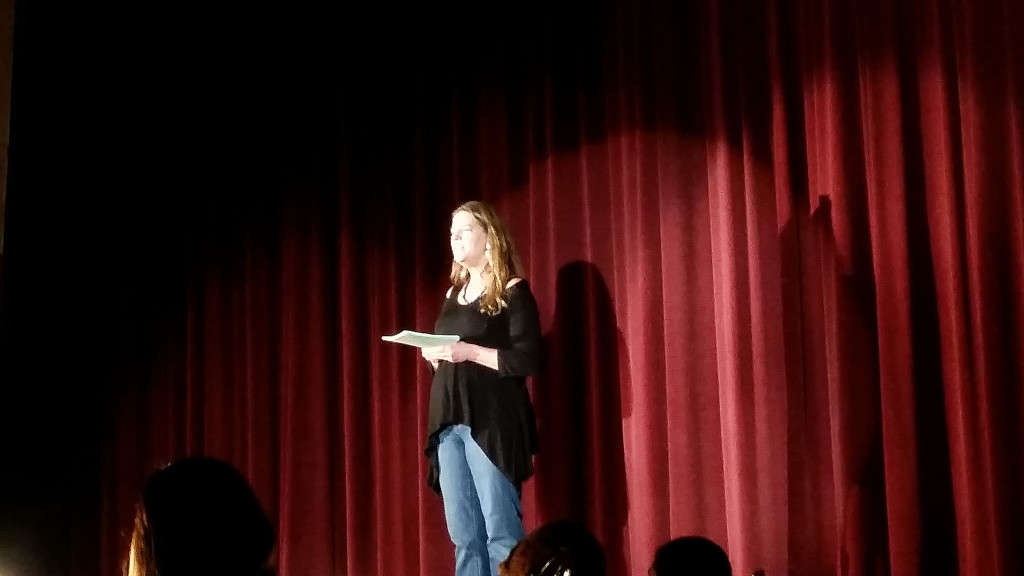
778	249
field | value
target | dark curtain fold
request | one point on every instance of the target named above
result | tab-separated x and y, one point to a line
778	249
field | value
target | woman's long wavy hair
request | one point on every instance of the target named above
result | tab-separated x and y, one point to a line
140	561
502	260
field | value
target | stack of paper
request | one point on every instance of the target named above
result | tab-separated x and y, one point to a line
421	339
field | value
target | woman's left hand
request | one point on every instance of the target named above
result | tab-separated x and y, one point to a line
462	351
457	352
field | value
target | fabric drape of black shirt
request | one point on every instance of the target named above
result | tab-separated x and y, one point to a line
495	404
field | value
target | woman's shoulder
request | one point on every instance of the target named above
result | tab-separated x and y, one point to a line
518	289
517	285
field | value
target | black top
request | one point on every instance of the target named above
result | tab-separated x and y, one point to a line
494	404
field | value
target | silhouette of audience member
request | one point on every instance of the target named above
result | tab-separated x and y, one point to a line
199	517
560	548
690	556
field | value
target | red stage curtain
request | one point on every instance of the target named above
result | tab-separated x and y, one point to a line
778	249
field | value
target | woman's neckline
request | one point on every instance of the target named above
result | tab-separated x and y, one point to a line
463	302
460	296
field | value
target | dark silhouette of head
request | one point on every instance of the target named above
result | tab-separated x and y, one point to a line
197	517
560	548
690	556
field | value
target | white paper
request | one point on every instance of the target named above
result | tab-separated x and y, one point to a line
421	339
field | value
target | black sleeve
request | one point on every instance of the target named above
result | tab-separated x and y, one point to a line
522	357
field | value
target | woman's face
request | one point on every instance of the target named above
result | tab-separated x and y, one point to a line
469	240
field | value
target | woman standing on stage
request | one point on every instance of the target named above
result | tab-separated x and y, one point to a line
481	433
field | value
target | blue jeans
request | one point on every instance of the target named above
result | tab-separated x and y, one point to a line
481	507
